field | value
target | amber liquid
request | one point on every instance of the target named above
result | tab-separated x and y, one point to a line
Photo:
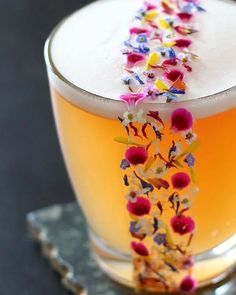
92	158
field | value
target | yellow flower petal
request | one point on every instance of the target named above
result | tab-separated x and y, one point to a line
149	163
161	86
152	60
124	140
164	24
190	149
151	15
169	44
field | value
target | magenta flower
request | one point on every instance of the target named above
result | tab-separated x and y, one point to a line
140	249
174	75
183	43
185	16
136	155
140	208
150	6
188	285
170	62
132	99
137	31
181	120
182	224
180	180
134	58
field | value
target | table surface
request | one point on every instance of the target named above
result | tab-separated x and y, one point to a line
32	172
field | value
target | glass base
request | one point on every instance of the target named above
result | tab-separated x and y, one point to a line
61	231
211	267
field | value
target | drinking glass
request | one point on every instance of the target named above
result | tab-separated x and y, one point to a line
86	125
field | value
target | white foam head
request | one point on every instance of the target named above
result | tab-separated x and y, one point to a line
86	51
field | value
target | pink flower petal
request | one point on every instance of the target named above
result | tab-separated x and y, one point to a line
170	62
140	208
132	99
150	6
181	120
134	58
137	31
180	180
183	43
174	75
182	224
187	67
188	285
136	155
185	16
140	249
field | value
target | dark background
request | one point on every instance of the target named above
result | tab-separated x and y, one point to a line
32	174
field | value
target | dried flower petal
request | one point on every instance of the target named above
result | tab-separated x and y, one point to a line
167	8
140	208
150	15
161	86
180	180
132	99
124	164
181	120
184	30
142	38
190	160
136	155
185	16
183	43
174	75
150	6
160	239
170	62
159	183
152	60
188	285
137	31
134	58
182	224
140	249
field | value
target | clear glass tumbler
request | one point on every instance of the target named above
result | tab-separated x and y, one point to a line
87	124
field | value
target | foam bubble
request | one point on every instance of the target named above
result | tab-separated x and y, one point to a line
86	51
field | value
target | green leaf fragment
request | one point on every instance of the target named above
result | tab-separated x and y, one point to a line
124	140
191	149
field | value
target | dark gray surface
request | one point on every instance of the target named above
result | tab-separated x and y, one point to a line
32	174
60	230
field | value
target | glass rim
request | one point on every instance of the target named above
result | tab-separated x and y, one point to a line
51	65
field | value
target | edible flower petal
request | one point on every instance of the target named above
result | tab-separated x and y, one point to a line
141	207
182	224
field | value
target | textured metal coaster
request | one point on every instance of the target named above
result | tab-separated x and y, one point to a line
61	231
